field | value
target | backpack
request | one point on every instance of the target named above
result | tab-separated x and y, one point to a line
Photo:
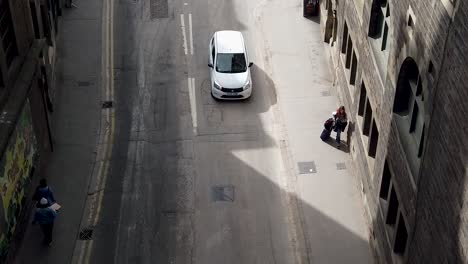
328	124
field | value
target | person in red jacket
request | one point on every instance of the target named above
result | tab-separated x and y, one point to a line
340	122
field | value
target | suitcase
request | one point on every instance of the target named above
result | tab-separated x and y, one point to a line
325	134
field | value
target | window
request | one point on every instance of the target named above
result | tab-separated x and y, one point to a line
401	237
46	25
385	184
430	68
35	21
392	208
362	100
380	34
384	37
231	63
421	142
352	77
349	52
410	21
380	12
414	117
374	140
367	118
7	32
409	113
345	38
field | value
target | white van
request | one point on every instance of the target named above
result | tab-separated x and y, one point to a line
230	66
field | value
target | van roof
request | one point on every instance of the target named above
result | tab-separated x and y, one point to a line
229	41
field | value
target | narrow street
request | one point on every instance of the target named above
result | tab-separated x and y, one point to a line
180	154
187	179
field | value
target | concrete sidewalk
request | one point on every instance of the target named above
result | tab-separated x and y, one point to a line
75	128
334	225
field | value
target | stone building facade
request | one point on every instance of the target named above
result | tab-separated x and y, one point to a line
27	47
399	68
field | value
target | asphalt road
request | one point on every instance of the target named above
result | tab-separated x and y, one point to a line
191	180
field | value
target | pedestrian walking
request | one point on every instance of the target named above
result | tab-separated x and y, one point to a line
45	217
44	191
340	122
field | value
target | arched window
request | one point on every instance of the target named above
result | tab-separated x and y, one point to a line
408	109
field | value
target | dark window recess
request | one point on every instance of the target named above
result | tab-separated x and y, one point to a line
367	118
46	25
401	237
414	117
2	83
410	21
376	20
345	38
35	21
374	140
402	96
392	209
349	52
362	100
385	185
419	87
384	37
430	69
421	142
53	6
352	77
7	32
409	73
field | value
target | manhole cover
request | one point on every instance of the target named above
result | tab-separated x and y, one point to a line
307	167
86	234
224	193
341	166
326	93
159	9
107	104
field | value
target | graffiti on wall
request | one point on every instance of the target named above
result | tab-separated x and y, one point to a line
15	168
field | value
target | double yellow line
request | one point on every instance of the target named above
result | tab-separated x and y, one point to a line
106	137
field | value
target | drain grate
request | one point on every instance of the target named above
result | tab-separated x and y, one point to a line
107	104
86	234
159	9
341	166
307	167
223	193
326	93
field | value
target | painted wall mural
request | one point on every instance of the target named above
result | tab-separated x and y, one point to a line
15	168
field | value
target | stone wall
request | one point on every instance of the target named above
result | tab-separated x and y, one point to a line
428	41
441	230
